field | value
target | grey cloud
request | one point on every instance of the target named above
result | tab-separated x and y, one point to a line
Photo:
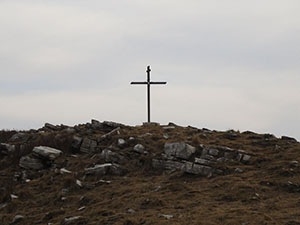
235	57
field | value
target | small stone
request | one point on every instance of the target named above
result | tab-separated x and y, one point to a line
169	127
121	142
70	220
103	182
166	136
12	196
158	188
64	191
166	216
131	211
213	152
277	147
79	183
139	149
246	158
103	169
81	208
18	218
63	170
3	205
238	170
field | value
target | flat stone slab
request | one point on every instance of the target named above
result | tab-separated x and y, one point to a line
103	169
47	152
28	162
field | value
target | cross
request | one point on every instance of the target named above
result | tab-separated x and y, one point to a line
148	82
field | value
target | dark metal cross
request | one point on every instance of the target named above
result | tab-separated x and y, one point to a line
148	82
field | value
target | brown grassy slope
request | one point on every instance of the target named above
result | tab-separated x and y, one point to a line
267	192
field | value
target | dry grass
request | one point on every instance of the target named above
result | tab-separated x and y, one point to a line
267	192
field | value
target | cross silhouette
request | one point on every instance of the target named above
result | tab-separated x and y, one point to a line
148	83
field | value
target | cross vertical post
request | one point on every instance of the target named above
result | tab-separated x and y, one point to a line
148	83
148	90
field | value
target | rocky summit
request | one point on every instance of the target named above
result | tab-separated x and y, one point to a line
110	173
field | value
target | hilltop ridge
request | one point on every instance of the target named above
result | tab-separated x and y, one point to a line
111	173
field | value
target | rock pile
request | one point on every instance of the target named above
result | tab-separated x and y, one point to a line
109	173
182	156
40	158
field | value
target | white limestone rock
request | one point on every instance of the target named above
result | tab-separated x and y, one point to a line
103	169
47	152
17	219
179	150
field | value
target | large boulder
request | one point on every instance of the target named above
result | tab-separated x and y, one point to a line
180	150
46	152
29	162
19	137
7	148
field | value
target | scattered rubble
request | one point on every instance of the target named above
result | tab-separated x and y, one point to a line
108	173
179	156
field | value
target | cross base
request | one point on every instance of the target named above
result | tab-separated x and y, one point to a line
151	124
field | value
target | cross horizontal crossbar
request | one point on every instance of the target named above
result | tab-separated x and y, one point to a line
149	82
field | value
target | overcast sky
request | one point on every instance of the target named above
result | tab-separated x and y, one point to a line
230	64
